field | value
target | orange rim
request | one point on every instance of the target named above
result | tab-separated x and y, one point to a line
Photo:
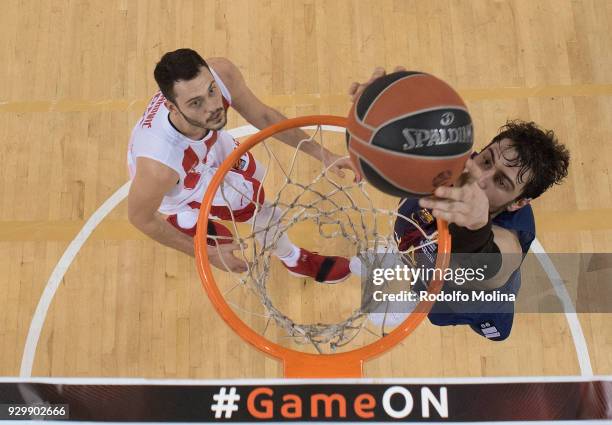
298	364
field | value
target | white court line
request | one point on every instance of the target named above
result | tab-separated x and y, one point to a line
294	381
582	351
38	320
40	315
62	266
245	130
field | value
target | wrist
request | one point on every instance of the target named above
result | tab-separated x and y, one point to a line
467	240
317	151
485	221
310	147
475	249
326	154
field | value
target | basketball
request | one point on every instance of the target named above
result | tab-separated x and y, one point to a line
408	133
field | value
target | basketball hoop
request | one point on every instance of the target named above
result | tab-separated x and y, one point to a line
325	212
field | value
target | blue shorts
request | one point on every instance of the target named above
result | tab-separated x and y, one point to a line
493	321
493	326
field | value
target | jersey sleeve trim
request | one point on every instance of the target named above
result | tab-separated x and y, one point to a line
224	91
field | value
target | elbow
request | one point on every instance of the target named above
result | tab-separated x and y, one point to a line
133	220
136	222
133	216
139	220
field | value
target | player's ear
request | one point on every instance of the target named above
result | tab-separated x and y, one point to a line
518	204
170	106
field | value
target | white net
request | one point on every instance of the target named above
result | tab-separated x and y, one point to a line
315	208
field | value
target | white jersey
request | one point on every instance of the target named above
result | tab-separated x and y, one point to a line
195	161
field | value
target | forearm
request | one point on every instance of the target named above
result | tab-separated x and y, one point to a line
497	256
158	229
474	252
292	137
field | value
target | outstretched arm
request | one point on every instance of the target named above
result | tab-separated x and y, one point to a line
152	181
466	208
252	109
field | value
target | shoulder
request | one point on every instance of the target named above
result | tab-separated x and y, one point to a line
151	182
155	173
226	70
147	140
521	222
160	153
507	240
522	218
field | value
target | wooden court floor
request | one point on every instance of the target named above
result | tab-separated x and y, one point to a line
76	75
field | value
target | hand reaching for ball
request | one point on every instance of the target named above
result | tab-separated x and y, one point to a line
466	204
356	88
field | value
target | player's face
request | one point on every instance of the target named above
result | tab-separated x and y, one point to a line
200	102
500	179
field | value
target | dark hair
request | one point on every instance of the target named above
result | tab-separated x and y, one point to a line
182	64
538	151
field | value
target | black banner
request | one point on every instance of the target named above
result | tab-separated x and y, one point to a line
321	402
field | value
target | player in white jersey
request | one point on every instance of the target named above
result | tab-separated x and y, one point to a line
177	146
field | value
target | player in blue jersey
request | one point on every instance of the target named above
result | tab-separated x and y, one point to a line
489	214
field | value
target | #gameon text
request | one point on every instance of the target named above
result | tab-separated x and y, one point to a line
415	274
263	403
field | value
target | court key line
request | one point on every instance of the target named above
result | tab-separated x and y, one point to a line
39	317
582	351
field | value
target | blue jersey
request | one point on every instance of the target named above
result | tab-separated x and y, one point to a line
496	322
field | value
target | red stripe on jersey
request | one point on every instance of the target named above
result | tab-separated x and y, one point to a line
195	205
209	144
190	160
212	140
251	167
191	180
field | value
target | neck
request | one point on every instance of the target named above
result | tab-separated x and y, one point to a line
182	126
497	212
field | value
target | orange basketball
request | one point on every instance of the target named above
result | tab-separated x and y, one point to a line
408	133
